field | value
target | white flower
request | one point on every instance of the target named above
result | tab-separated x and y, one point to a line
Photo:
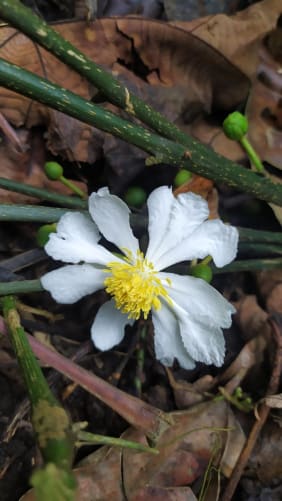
187	313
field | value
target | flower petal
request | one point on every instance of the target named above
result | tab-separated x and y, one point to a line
159	204
70	283
204	342
168	343
76	240
108	327
198	299
111	215
211	238
172	220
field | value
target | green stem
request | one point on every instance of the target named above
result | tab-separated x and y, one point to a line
50	421
253	156
20	287
31	213
73	187
250	235
48	196
260	248
199	159
86	438
250	265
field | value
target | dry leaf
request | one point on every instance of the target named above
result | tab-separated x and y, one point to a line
185	450
274	401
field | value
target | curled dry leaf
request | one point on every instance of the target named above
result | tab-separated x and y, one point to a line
166	55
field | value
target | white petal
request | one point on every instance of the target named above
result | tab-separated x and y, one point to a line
198	299
172	220
108	327
70	283
212	238
111	215
159	205
76	240
168	343
204	342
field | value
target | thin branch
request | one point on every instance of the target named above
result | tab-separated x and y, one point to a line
198	158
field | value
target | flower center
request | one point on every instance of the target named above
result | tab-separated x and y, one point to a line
135	285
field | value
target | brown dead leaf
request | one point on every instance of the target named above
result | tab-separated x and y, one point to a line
237	37
265	462
270	287
185	450
27	166
167	55
264	107
274	401
251	318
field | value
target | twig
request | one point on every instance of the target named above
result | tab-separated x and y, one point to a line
198	158
48	196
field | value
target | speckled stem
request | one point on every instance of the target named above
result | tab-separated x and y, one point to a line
51	422
198	159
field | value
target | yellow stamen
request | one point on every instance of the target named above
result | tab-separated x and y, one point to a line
135	286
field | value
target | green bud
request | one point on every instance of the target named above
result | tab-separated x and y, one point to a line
238	392
181	177
135	196
202	271
53	170
235	126
248	400
42	235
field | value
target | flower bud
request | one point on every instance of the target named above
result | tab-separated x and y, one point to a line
42	235
53	170
181	177
135	196
202	271
235	126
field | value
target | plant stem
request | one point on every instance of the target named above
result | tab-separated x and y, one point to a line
38	30
86	438
260	248
73	187
198	159
250	265
250	235
50	421
49	196
253	156
20	287
30	213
